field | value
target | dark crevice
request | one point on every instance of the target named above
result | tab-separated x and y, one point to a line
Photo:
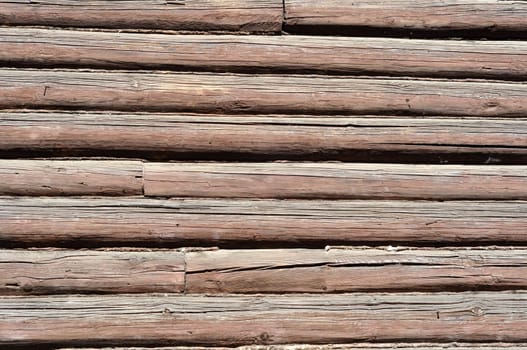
474	155
234	343
306	265
262	70
13	284
232	108
238	108
410	33
163	243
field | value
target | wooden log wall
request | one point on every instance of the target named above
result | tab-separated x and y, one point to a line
263	175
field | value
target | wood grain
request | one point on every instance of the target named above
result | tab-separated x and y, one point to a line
156	320
343	55
333	270
206	222
335	136
67	178
354	270
335	181
249	94
185	15
60	272
407	14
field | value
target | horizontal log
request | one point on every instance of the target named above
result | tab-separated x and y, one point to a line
55	177
334	137
169	92
177	222
345	55
59	272
354	346
334	180
497	15
243	320
333	270
186	15
353	270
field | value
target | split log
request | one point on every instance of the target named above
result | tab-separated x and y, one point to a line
185	15
438	58
151	222
280	136
354	270
65	178
433	15
333	270
60	272
229	93
155	320
335	181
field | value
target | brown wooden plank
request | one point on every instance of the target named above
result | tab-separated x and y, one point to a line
185	15
56	177
60	272
242	320
140	91
346	55
333	270
335	136
205	222
354	346
334	180
354	270
407	14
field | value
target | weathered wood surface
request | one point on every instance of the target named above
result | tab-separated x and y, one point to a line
334	181
64	178
344	55
262	180
354	346
333	270
407	14
186	15
59	272
238	93
205	222
354	270
242	320
258	134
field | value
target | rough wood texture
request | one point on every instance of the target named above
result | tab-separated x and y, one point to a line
353	270
59	272
133	91
334	180
438	58
66	178
259	135
128	221
333	270
232	320
186	15
407	14
354	346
